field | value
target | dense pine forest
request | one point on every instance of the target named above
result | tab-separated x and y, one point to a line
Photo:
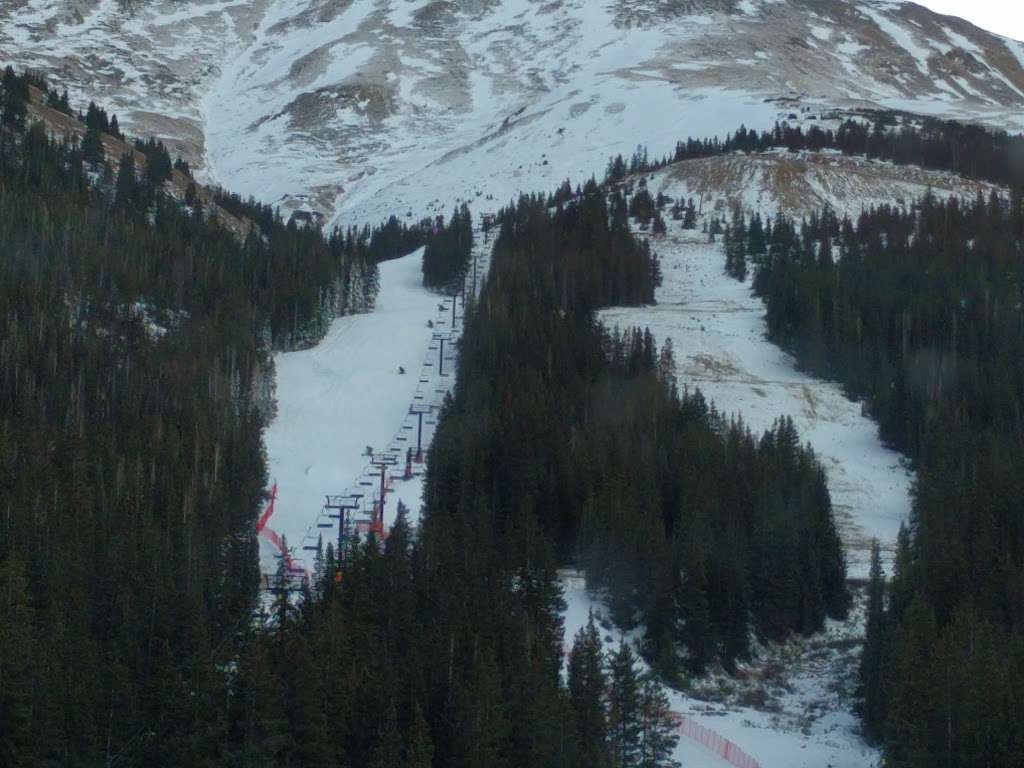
918	312
690	524
136	379
444	646
448	249
136	382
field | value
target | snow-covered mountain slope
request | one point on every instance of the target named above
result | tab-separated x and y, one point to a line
373	106
347	393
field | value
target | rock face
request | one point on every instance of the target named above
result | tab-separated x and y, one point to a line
370	106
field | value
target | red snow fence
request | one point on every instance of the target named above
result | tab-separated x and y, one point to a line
714	742
262	529
262	522
707	738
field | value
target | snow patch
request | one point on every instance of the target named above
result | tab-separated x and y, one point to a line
718	331
346	393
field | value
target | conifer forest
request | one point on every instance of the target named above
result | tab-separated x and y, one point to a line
147	312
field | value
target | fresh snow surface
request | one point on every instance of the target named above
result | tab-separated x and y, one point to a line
409	107
718	333
364	109
345	394
807	720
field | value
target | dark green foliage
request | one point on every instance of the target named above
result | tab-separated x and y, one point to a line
686	213
14	97
92	146
919	313
587	687
128	193
641	205
736	243
18	628
873	664
641	731
420	753
658	737
134	383
583	252
59	101
625	709
182	165
96	118
158	161
651	484
448	250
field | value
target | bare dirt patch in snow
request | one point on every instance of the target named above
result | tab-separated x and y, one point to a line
802	183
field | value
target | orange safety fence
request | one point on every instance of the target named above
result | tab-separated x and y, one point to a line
707	738
714	742
262	529
262	522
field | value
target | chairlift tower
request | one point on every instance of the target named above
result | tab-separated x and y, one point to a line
455	297
419	411
382	462
441	338
340	508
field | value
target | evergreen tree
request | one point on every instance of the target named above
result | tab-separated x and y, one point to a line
690	215
17	650
420	753
658	227
448	251
14	100
92	146
127	192
872	664
387	751
587	685
658	728
912	703
625	709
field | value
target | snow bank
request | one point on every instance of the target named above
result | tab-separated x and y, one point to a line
346	394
